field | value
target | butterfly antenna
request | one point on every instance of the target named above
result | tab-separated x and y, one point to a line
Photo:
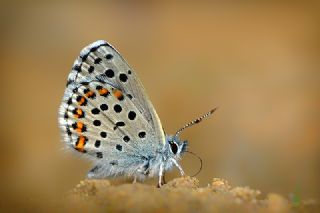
195	121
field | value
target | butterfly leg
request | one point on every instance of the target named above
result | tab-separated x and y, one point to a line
179	167
134	180
163	179
160	175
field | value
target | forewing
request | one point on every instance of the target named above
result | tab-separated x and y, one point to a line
102	62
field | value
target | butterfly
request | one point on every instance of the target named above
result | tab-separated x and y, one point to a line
107	116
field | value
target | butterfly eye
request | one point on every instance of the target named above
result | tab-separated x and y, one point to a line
174	147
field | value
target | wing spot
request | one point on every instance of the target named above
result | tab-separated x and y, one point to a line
91	69
79	127
78	113
97	143
103	134
69	101
109	73
97	122
119	147
81	142
97	60
117	108
123	77
84	83
130	96
109	56
68	131
132	115
142	134
95	111
114	162
104	107
119	124
77	68
103	91
82	101
118	94
89	93
99	155
126	138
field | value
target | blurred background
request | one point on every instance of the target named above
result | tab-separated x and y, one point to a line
259	62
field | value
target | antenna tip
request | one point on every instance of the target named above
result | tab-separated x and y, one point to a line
212	111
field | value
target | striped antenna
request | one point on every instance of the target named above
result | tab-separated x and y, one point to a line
195	121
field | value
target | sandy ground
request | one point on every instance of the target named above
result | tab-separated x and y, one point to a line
179	195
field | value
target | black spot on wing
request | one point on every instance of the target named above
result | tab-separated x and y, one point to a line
103	134
109	56
123	77
99	155
91	69
97	143
126	138
95	111
109	73
119	147
117	108
97	122
104	107
142	134
119	124
114	162
132	115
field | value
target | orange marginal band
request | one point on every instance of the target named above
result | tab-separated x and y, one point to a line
81	143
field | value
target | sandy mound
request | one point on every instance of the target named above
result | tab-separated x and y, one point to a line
179	195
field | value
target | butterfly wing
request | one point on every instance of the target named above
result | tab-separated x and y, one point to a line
102	61
106	114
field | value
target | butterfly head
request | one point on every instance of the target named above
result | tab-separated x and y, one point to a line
176	145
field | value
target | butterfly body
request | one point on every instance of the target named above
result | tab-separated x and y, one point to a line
106	116
141	165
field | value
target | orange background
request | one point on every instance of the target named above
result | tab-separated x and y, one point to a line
259	62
